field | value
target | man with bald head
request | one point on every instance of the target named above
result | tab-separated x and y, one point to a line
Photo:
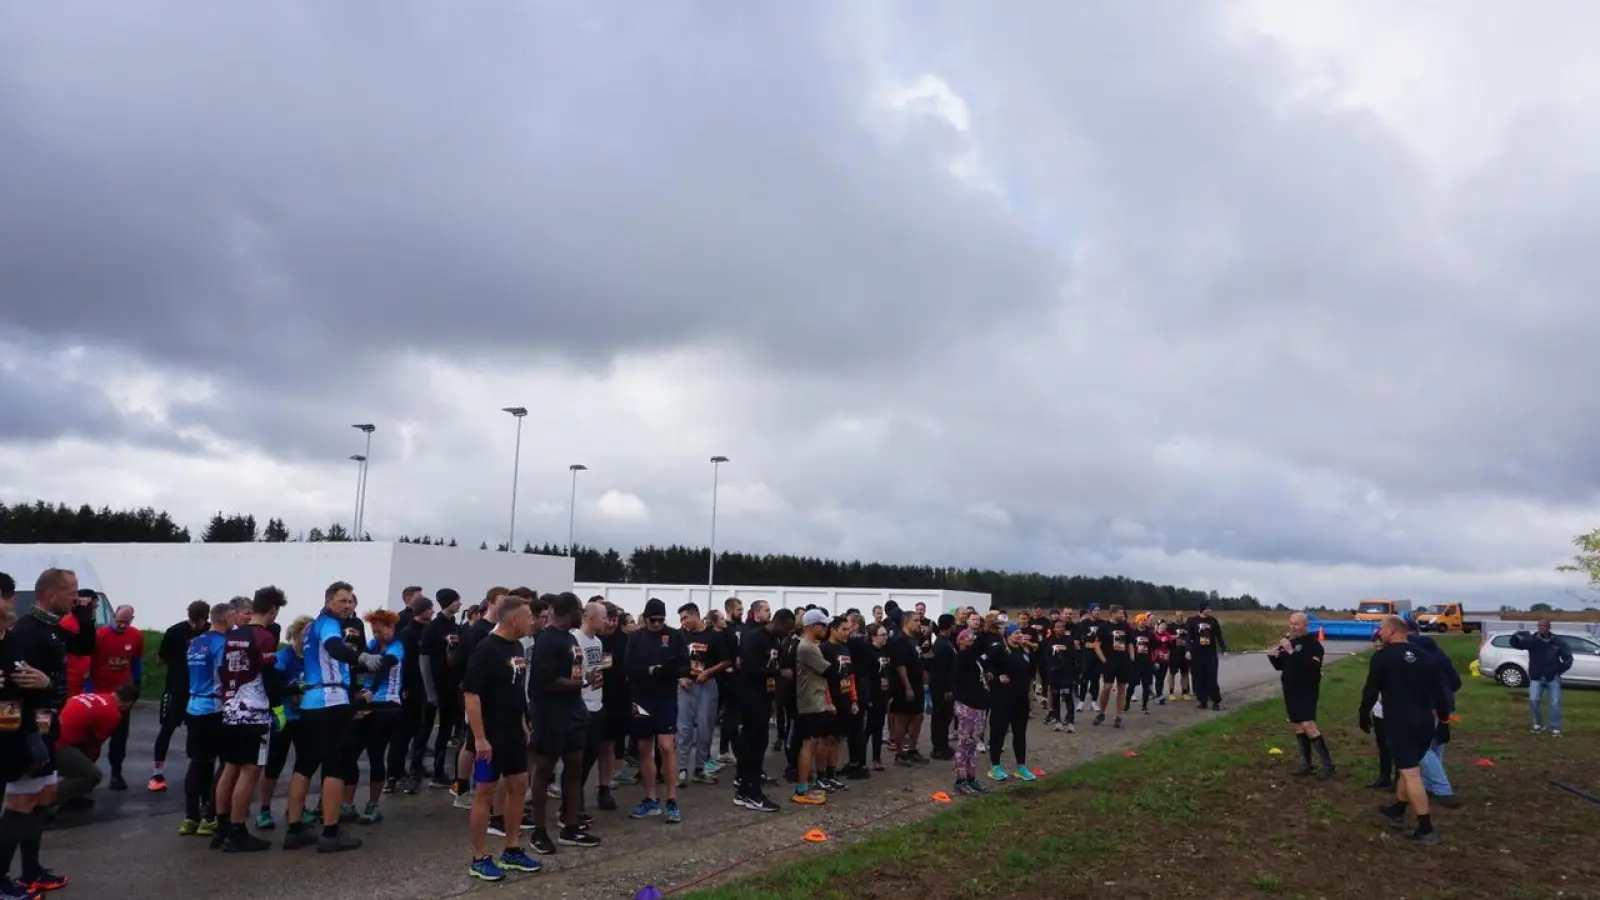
118	660
1414	703
1299	658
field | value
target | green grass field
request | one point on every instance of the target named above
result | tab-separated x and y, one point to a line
1209	813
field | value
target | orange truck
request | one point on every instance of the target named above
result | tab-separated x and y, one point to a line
1446	618
1374	609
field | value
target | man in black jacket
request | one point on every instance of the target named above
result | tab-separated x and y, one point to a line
1548	660
1299	658
416	716
1205	644
43	645
1414	707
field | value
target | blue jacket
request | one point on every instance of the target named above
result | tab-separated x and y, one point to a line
1548	658
1449	678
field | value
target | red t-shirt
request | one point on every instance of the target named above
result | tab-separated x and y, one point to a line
113	657
88	719
77	666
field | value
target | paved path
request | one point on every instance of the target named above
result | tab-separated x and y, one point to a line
128	847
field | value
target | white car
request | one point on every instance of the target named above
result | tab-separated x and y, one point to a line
1497	659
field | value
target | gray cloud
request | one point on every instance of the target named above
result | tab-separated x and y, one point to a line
1213	324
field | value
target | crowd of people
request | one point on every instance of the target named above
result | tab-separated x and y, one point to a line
524	698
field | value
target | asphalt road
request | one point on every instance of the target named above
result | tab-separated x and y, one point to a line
128	848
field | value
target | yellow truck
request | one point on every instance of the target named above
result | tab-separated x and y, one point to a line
1374	609
1446	618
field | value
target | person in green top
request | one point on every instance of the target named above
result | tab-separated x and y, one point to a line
816	718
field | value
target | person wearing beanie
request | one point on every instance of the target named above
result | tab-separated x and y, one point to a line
1011	670
658	665
441	681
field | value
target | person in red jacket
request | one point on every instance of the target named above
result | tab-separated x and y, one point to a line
118	660
77	665
86	722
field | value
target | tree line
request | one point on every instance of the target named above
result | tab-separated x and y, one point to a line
44	523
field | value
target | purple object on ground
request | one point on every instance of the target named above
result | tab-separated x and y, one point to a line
648	892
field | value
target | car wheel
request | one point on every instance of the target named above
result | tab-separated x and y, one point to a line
1511	676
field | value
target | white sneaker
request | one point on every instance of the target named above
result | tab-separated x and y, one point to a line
982	747
1080	706
727	759
1555	732
1094	705
553	792
1538	729
462	800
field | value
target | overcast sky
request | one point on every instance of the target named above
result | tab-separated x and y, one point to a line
1297	299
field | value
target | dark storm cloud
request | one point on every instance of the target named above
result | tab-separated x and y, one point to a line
37	406
284	184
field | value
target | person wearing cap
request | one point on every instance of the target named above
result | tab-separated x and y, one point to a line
1206	642
658	665
816	715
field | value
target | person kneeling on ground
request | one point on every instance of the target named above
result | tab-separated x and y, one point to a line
87	722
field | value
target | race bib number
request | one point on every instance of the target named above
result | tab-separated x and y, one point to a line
10	716
1205	642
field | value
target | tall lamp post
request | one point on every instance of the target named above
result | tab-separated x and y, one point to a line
366	428
572	507
361	478
520	412
711	565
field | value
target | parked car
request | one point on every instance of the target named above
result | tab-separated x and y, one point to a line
1498	660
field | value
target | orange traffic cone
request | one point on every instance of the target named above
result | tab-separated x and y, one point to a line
941	797
1322	634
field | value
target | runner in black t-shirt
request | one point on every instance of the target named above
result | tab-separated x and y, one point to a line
561	728
1114	650
1088	635
496	703
905	691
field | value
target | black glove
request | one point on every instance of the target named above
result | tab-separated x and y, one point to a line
1366	722
1442	733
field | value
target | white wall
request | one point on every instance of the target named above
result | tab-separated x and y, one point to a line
472	572
161	580
632	597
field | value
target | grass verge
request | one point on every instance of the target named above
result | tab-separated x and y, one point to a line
1210	813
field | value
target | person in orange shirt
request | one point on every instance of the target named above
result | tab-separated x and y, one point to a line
118	660
86	722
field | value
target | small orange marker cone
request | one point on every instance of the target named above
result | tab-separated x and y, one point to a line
816	836
941	797
1037	772
1129	754
1322	634
1453	719
1485	763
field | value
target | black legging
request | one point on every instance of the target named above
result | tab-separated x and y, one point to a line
1206	688
877	714
1012	717
729	729
171	716
278	748
1144	673
1386	773
1089	680
1066	683
197	784
451	715
376	733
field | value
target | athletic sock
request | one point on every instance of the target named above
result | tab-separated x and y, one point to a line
329	831
160	766
1394	810
1424	824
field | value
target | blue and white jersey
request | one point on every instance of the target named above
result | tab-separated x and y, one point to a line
326	678
205	674
385	688
293	668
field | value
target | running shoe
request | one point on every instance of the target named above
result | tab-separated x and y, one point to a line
964	789
704	776
762	803
577	836
976	786
674	812
117	782
10	890
264	821
1025	773
540	843
188	828
645	810
809	798
45	882
518	861
997	773
371	815
157	783
462	800
208	828
497	826
628	776
486	869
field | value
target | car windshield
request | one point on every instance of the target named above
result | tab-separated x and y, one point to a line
1438	609
1380	608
